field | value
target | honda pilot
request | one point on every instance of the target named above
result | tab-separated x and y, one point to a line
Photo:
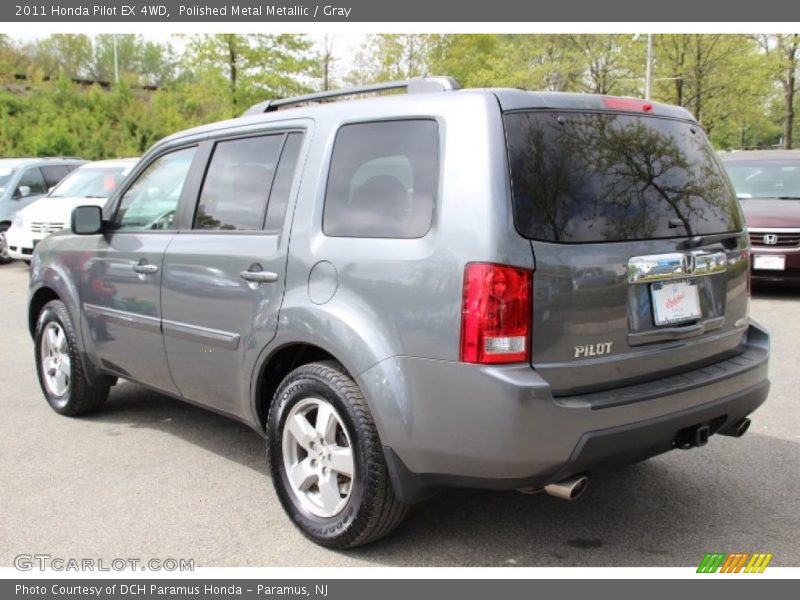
483	288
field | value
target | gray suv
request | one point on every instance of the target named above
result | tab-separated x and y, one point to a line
23	181
478	288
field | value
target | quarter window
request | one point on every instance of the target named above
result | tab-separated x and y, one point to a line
150	202
238	183
382	180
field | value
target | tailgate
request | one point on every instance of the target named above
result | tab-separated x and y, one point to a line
641	260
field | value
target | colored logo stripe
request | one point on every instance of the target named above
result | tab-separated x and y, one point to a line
711	562
758	563
734	562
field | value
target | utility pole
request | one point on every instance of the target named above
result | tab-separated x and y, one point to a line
116	58
648	78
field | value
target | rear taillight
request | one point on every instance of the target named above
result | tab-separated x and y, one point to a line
496	314
631	104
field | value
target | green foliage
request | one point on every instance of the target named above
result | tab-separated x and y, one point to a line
727	81
739	86
245	69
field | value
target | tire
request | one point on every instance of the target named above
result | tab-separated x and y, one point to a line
59	366
336	510
4	257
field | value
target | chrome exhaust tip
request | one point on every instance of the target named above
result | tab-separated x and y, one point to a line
569	489
738	429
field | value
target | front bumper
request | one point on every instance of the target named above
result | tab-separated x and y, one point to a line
21	243
447	424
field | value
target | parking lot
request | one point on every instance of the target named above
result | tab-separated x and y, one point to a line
152	477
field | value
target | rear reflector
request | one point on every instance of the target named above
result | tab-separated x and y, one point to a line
495	314
631	104
746	256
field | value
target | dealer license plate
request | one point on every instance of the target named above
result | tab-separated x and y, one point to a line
675	301
769	262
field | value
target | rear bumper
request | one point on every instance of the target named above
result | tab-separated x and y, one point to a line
457	425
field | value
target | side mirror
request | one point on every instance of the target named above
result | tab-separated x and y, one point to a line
87	220
23	191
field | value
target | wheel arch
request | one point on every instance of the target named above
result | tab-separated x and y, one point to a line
38	300
54	285
276	366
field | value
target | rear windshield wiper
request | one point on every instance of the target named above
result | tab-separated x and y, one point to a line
788	197
704	240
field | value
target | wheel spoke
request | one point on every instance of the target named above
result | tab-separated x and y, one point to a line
303	475
301	430
52	339
61	341
326	422
66	364
329	493
49	365
342	461
61	380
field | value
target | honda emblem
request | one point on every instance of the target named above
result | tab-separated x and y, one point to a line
770	239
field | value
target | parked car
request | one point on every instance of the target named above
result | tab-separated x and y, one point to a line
767	183
358	281
91	183
24	180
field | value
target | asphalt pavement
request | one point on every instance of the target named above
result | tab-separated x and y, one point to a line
152	477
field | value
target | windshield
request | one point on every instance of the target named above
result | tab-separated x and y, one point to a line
5	176
605	177
93	182
761	179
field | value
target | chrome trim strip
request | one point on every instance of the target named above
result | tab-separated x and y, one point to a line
121	317
675	265
675	332
773	230
201	335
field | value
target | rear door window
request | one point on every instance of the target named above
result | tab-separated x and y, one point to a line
238	183
279	197
382	180
605	177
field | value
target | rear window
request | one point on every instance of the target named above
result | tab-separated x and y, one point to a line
602	177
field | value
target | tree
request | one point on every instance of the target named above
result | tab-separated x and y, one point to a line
783	51
144	62
606	62
390	57
63	54
326	61
250	68
717	77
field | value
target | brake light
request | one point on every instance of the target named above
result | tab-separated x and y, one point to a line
496	314
631	104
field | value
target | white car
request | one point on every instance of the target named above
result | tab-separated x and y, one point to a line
93	183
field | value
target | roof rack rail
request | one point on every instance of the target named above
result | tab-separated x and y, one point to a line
416	85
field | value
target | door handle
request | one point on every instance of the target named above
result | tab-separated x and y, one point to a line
145	268
259	276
